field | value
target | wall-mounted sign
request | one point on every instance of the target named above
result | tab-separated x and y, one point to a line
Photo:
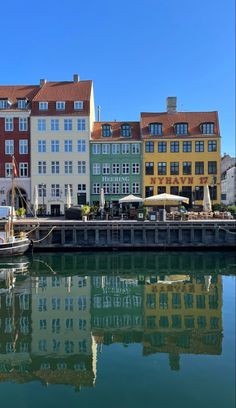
106	179
179	180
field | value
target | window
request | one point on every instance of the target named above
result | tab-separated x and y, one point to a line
60	105
207	128
125	168
115	148
55	167
54	125
199	146
106	130
21	103
96	148
181	128
174	147
149	168
23	124
82	167
9	147
212	167
55	190
96	188
67	124
135	188
9	124
161	168
125	131
55	146
4	103
23	146
115	188
115	168
8	169
174	190
162	147
78	105
125	148
199	167
81	125
187	168
125	188
174	168
68	167
41	146
106	168
135	168
187	147
105	148
212	146
148	191
41	125
161	189
68	146
106	188
135	148
81	146
199	191
155	129
43	105
23	169
96	169
149	147
42	167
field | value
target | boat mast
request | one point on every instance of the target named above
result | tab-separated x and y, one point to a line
12	197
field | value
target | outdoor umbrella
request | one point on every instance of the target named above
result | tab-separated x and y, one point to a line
68	196
130	199
165	199
206	200
36	200
102	199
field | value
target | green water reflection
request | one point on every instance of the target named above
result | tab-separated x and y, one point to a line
65	316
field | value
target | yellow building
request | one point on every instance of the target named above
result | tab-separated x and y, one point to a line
181	153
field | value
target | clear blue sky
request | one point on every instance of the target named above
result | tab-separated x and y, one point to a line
136	52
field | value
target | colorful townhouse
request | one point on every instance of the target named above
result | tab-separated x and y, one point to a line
115	162
61	122
15	107
181	153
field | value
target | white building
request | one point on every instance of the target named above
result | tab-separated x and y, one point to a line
61	121
228	180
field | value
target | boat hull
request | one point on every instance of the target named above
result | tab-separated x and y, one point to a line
17	247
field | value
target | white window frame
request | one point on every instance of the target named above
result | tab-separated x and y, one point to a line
81	167
55	125
55	167
9	147
60	105
23	169
96	149
78	105
81	146
23	146
55	190
135	148
68	146
125	168
125	148
96	169
41	125
135	168
42	146
68	125
96	188
9	125
43	106
42	167
106	188
115	148
135	188
81	125
68	166
22	103
105	148
125	188
23	124
55	146
116	168
105	168
115	188
8	169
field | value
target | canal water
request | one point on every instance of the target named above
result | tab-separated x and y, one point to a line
117	330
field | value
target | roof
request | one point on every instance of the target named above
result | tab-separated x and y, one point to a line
64	91
194	120
14	92
116	131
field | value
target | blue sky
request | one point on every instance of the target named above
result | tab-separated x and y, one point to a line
136	52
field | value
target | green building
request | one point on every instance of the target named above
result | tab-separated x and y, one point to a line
115	162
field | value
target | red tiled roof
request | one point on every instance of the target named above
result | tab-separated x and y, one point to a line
64	91
194	120
14	92
116	131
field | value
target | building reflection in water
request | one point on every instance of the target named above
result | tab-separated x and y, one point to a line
53	326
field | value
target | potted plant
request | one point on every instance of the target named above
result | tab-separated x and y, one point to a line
85	212
20	213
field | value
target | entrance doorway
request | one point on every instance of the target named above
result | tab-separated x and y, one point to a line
20	198
81	200
55	210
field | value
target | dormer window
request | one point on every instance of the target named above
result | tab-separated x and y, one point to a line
155	129
60	105
125	130
43	105
207	128
78	105
4	103
106	130
181	128
21	103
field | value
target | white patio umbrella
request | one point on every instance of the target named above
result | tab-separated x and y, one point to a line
102	199
206	200
68	196
131	199
165	198
36	200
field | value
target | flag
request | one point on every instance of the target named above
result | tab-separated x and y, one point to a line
14	167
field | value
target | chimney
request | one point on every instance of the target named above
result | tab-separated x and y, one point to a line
75	78
171	102
42	82
99	113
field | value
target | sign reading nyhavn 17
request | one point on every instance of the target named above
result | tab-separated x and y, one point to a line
178	180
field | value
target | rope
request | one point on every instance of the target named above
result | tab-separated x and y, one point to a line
229	232
39	240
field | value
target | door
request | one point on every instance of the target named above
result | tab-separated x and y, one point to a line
55	210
